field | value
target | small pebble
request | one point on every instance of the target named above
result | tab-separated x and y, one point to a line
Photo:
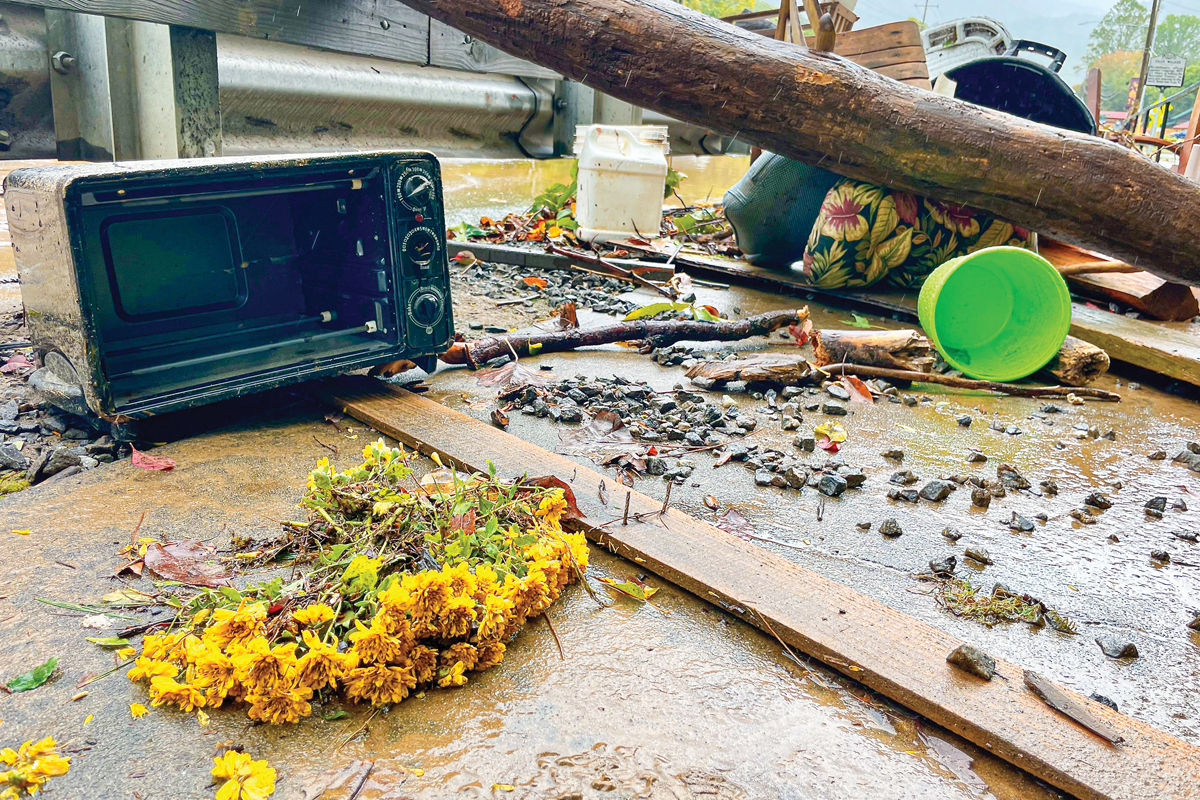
979	554
904	477
1161	556
1098	500
964	421
833	409
904	495
937	490
953	534
1156	504
981	498
863	526
1117	647
943	566
1102	700
890	527
895	454
975	457
837	391
1158	455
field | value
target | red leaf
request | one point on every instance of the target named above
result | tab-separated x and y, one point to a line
732	521
184	561
464	522
825	443
537	283
859	391
160	463
801	333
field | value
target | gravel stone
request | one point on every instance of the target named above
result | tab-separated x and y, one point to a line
943	566
970	658
831	485
981	498
979	554
953	534
1117	646
937	490
890	527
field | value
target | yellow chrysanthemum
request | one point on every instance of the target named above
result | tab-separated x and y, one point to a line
322	665
452	676
162	647
552	507
577	546
429	591
280	703
216	673
374	645
462	582
165	691
460	651
494	616
423	661
313	615
137	710
456	617
244	778
380	684
487	582
260	666
490	655
149	669
395	623
236	626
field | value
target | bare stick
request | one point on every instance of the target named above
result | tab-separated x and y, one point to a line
628	495
629	275
969	383
554	633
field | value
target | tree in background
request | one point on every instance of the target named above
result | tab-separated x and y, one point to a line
1122	29
724	8
1177	35
1116	70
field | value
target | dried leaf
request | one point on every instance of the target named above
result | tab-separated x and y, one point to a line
568	318
631	587
605	439
127	596
159	463
34	678
551	482
537	283
711	502
859	391
134	568
625	476
18	363
733	521
186	561
511	375
464	522
499	419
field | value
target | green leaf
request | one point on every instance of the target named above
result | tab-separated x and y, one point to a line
362	574
336	714
230	594
34	678
654	308
704	315
108	641
631	588
859	321
685	223
524	541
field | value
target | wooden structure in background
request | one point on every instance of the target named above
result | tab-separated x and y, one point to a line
1114	280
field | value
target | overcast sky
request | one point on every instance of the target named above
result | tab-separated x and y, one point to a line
1065	24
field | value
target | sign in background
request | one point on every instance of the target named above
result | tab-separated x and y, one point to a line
1166	71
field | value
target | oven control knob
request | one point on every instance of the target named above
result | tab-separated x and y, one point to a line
426	308
415	188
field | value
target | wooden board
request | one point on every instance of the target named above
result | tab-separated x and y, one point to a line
454	49
888	651
380	28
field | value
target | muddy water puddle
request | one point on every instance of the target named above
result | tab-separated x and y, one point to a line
1100	575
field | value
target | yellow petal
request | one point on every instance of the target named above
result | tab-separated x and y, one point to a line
87	720
229	790
21	531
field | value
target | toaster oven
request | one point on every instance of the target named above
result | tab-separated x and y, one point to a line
169	284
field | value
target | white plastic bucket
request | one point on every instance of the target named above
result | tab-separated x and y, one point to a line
622	177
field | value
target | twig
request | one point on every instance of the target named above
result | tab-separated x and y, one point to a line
628	274
362	781
515	301
782	643
357	730
970	383
554	633
64	564
328	447
136	528
105	674
667	499
628	495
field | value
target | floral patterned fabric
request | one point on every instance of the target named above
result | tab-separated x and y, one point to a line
866	234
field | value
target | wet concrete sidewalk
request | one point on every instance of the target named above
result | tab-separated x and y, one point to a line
670	700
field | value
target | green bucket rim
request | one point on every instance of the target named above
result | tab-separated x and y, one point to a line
930	293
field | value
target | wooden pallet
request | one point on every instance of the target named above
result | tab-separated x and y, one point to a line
884	649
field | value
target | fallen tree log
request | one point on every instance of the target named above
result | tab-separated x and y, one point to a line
1078	363
821	109
789	370
652	332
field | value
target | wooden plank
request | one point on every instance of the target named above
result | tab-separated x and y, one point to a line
1147	293
888	651
893	55
911	72
454	49
880	37
381	28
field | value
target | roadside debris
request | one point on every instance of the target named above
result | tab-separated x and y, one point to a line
27	770
1061	702
971	659
962	599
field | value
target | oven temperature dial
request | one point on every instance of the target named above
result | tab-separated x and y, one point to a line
415	188
420	247
426	307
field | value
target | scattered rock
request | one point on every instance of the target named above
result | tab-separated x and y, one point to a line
981	498
1156	504
964	421
863	526
1011	479
833	409
971	659
896	454
904	477
953	534
937	490
1082	516
1158	455
806	443
1019	523
1101	699
943	566
1195	623
854	478
10	410
837	391
979	554
975	457
763	476
904	495
796	477
1117	647
831	485
1098	500
12	458
890	527
1049	487
1161	556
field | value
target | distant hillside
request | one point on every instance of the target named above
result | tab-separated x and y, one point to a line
1065	24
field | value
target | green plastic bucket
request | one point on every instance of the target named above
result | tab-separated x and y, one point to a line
998	314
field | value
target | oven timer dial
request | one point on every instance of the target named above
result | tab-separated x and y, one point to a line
426	307
420	247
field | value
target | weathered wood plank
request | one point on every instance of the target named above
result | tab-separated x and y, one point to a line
454	49
381	28
888	651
